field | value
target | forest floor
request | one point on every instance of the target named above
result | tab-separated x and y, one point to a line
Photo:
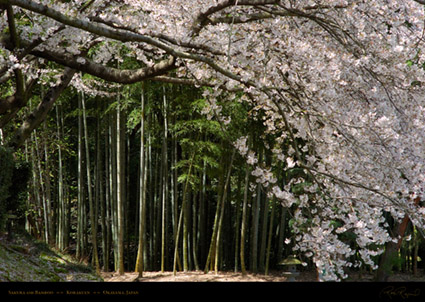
275	276
193	276
24	259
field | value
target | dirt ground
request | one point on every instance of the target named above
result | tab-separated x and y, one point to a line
199	276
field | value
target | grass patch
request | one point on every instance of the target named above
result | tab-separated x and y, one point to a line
26	259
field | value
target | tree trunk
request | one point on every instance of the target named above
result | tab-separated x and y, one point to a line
61	200
281	234
392	248
244	220
194	231
113	185
237	225
185	211
103	206
416	241
213	252
100	189
48	193
36	186
108	198
95	259
254	226
120	187
80	178
175	194
174	184
180	222
164	188
142	197
262	256
202	225
150	204
269	240
42	192
220	223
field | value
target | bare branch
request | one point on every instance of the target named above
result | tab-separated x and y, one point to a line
127	36
420	1
8	103
14	38
34	119
241	19
127	76
204	19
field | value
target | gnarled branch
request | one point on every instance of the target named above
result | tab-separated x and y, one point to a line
126	76
34	119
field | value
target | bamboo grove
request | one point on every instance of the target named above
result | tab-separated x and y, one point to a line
155	135
97	159
143	169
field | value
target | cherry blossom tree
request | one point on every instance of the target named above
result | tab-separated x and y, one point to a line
339	84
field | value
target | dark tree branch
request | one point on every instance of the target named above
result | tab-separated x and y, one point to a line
241	19
8	103
97	29
35	118
126	76
203	19
83	64
127	36
14	38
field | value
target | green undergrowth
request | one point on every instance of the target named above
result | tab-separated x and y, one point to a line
24	259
